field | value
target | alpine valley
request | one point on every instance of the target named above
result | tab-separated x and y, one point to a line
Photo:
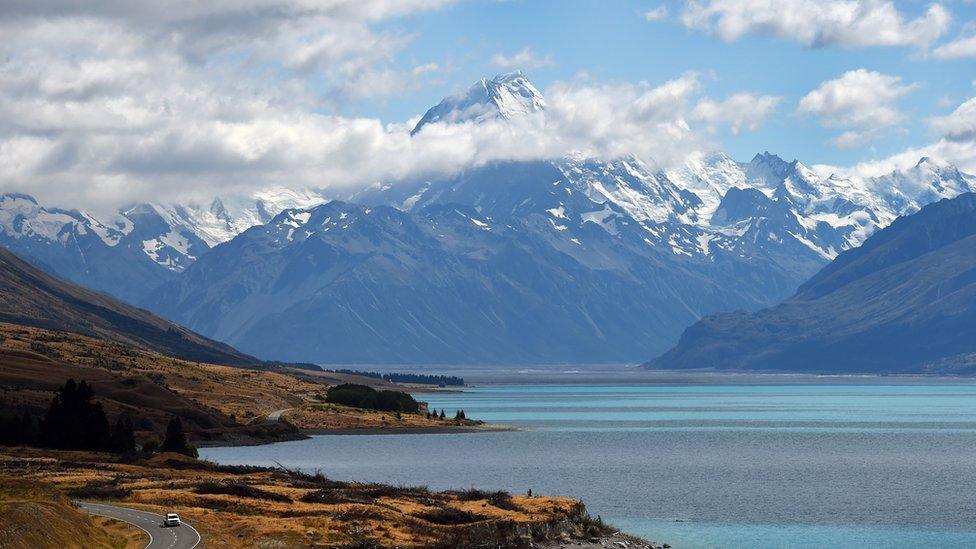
574	259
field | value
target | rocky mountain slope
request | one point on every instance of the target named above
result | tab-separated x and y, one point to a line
905	301
348	283
132	252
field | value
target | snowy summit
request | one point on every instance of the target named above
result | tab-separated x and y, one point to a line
504	96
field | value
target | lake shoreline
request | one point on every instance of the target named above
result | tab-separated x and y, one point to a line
434	430
304	434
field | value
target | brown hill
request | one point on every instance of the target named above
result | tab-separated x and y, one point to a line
216	402
36	515
31	297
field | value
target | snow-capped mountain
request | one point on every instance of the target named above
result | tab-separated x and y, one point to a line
712	202
135	250
504	96
446	283
903	302
224	218
565	260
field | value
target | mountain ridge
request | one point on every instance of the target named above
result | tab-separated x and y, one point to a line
904	302
31	297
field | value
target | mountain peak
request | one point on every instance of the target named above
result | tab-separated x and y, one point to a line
769	159
933	164
18	196
506	77
505	96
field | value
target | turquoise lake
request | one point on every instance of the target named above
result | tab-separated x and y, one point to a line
698	465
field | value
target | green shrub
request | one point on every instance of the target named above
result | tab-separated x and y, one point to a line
151	445
449	516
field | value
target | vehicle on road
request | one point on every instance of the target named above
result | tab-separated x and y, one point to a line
172	519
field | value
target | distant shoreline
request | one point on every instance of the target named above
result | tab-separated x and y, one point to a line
439	429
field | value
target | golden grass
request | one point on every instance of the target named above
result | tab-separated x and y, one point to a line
35	516
347	513
320	415
247	396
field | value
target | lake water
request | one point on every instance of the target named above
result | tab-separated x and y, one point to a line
699	465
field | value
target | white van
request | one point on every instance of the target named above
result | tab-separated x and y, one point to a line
172	519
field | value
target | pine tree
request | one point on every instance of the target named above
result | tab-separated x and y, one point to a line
122	440
28	428
175	440
73	421
443	415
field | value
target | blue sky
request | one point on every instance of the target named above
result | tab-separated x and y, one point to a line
614	41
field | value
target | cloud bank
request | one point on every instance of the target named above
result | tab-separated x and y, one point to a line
861	102
108	103
846	23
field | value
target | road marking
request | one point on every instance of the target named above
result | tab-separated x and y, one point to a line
199	537
137	518
92	511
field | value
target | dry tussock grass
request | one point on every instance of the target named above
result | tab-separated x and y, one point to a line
278	506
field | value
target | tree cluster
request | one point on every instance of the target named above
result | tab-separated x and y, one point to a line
399	377
75	421
361	396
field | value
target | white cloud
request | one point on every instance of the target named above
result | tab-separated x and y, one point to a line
817	23
387	82
739	111
107	103
122	119
110	102
956	144
656	14
957	49
959	154
861	102
960	125
524	59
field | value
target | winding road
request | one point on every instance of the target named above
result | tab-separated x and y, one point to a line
160	537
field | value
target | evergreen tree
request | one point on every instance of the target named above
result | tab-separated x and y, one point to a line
27	434
9	432
73	421
443	415
122	440
18	430
175	439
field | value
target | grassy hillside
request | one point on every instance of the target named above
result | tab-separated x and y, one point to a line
148	386
217	403
31	297
36	515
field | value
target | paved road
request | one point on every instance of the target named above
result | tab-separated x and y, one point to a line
276	415
160	537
